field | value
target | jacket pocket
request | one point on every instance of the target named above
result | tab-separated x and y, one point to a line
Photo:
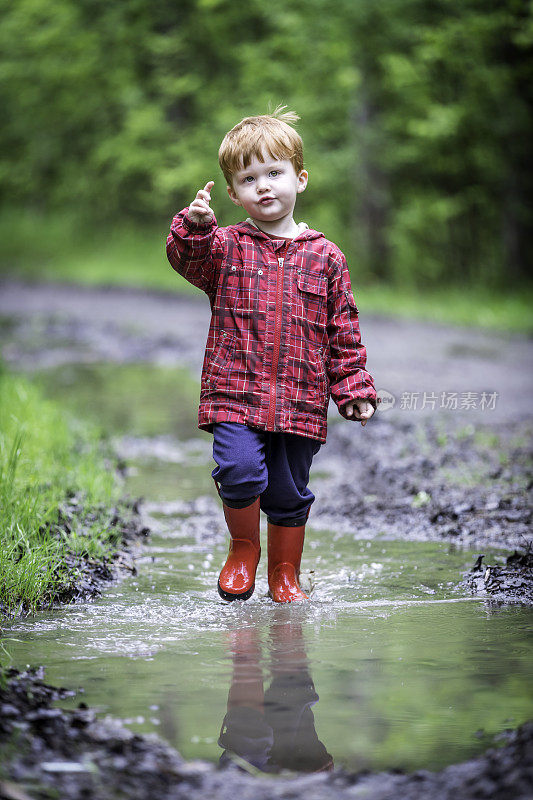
312	284
322	382
311	300
350	299
248	282
222	353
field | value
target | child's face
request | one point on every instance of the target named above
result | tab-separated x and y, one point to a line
267	191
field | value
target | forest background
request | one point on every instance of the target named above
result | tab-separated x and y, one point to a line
415	115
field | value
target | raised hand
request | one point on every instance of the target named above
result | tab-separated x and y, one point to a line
360	411
199	210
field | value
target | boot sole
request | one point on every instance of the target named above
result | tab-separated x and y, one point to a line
231	597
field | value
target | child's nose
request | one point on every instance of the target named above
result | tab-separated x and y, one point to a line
262	184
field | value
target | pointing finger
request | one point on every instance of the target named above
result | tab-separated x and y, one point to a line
209	185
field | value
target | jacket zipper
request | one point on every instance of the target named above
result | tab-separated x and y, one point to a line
271	419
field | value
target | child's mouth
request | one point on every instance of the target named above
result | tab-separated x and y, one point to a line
266	200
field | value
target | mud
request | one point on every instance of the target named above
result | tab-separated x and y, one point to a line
428	480
503	584
47	751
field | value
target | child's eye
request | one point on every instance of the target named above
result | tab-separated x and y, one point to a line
248	179
274	172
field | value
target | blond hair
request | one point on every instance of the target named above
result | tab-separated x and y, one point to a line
253	136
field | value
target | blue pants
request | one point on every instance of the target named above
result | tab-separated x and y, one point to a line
273	465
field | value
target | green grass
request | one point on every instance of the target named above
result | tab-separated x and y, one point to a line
61	248
48	463
479	308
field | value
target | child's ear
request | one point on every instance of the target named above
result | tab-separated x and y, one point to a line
302	180
233	196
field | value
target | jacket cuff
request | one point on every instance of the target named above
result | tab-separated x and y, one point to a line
368	394
197	227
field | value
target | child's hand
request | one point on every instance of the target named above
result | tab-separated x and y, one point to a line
360	410
199	210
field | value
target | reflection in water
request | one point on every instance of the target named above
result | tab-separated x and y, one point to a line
272	730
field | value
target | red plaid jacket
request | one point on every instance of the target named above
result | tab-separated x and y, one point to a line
284	331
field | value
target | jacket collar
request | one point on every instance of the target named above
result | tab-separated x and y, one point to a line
249	227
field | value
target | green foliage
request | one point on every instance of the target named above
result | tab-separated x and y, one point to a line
415	117
45	459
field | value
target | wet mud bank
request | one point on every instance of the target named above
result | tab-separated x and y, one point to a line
443	480
84	577
49	752
501	584
124	525
435	480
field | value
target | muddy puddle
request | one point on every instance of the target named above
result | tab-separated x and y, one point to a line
391	664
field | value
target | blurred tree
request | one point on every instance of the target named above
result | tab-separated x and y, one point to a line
416	118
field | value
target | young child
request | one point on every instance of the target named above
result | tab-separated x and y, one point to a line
284	336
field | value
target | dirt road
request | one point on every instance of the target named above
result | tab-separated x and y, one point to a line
405	357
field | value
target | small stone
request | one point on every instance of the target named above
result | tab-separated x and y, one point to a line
8	711
477	566
10	791
515	516
64	766
462	508
44	714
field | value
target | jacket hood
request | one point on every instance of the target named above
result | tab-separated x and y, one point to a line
249	227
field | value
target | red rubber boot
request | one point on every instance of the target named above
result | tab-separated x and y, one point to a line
237	578
285	545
